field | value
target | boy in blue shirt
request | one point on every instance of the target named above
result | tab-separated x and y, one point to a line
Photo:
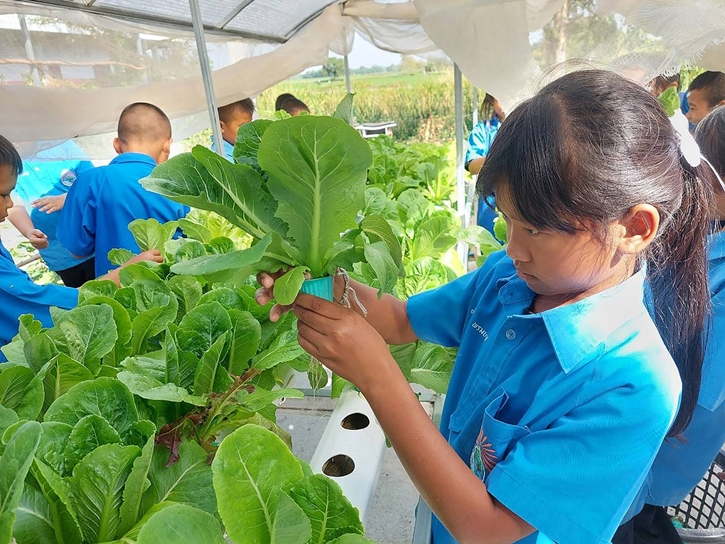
20	294
706	92
231	117
41	191
103	201
681	464
479	143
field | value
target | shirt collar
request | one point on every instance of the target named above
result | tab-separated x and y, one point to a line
134	157
577	330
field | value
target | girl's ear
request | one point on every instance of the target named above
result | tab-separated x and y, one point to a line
640	225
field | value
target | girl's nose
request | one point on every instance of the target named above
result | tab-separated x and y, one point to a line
515	249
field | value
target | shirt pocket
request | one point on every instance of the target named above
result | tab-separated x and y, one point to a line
496	438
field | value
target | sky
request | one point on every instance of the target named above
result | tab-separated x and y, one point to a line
366	54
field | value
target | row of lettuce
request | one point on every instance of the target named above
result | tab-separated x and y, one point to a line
148	413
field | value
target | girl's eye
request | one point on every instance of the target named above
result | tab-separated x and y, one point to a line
532	232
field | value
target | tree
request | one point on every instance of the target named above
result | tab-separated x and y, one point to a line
334	68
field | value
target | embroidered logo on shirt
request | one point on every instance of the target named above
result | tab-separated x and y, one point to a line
68	177
483	457
480	330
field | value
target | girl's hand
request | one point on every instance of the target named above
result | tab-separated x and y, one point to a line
266	293
343	341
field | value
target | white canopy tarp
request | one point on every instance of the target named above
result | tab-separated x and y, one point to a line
68	67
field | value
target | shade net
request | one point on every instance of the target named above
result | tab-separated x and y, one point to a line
67	73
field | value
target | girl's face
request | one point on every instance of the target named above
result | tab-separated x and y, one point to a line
562	268
8	178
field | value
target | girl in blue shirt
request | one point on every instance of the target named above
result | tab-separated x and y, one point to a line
564	387
681	464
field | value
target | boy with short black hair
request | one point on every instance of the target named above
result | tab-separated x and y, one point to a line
103	201
20	294
281	99
231	117
295	107
706	92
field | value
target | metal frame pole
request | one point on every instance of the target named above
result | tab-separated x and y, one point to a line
206	76
460	179
475	106
29	51
347	75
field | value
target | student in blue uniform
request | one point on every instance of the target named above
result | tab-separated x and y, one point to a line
40	192
232	116
706	92
479	144
681	464
21	295
563	388
103	201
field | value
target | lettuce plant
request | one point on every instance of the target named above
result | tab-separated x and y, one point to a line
297	189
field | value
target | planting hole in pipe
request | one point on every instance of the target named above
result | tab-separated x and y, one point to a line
355	422
338	466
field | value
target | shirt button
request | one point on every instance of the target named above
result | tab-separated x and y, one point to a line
510	334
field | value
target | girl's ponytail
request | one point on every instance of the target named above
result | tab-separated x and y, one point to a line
678	277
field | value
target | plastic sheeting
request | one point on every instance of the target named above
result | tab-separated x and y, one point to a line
68	67
72	79
511	47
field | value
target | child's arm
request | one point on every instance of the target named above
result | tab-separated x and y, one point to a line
387	314
19	217
350	347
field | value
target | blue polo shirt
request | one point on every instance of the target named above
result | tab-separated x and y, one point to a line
50	174
479	144
679	466
560	413
228	149
21	295
102	203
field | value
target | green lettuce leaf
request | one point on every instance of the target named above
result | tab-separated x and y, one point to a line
330	512
14	465
105	397
96	490
188	481
317	170
150	234
85	334
251	470
181	524
88	434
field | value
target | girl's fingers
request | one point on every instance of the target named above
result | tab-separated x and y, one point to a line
311	318
313	338
308	346
320	306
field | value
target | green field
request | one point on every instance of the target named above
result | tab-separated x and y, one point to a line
421	104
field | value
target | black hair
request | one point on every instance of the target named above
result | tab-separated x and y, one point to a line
294	106
281	99
710	136
9	156
487	112
226	113
591	145
663	82
713	86
142	121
